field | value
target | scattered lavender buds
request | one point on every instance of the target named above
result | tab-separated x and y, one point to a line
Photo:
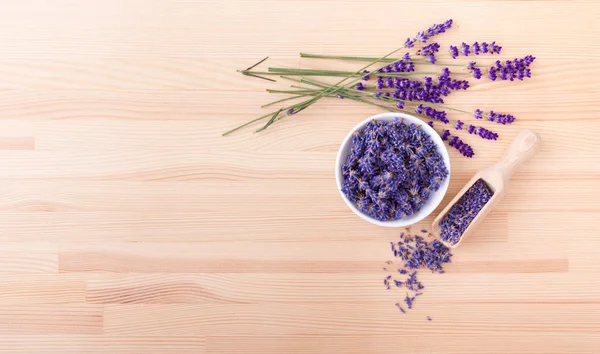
392	169
458	219
416	252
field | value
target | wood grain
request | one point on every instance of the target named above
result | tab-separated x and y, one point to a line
129	225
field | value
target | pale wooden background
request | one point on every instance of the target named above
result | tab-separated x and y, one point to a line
129	225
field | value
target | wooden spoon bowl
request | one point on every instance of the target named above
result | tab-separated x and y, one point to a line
497	177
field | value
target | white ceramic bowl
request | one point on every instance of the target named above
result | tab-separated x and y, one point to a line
434	199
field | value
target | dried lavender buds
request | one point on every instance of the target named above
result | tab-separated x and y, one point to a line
458	219
392	169
416	252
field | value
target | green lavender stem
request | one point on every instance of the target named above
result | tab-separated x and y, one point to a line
350	58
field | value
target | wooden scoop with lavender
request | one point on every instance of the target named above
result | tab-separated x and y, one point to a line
470	206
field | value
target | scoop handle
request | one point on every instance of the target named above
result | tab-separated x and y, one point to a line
523	147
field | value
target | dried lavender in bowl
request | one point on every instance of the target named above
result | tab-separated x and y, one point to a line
392	169
458	219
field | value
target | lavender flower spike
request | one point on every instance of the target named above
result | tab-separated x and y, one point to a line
453	51
464	48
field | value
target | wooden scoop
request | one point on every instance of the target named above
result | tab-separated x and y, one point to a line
523	147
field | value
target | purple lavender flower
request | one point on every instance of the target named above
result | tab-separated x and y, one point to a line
475	70
366	77
500	118
492	74
462	147
464	48
360	86
461	214
429	52
430	32
400	104
430	123
290	112
453	51
459	124
495	48
482	132
478	113
340	97
484	47
445	134
476	48
511	69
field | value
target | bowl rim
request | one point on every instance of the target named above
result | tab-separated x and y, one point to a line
435	199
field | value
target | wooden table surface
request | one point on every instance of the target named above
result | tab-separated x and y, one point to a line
129	225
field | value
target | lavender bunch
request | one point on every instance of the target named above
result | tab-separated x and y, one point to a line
392	169
399	85
458	219
415	252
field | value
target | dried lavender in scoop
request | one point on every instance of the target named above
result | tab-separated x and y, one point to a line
458	219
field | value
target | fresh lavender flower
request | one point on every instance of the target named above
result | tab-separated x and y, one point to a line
400	104
432	113
512	69
366	77
453	51
429	52
464	48
430	49
476	48
461	214
340	97
360	86
500	118
478	113
475	70
495	48
445	134
484	48
462	147
482	132
430	32
458	125
492	73
391	170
